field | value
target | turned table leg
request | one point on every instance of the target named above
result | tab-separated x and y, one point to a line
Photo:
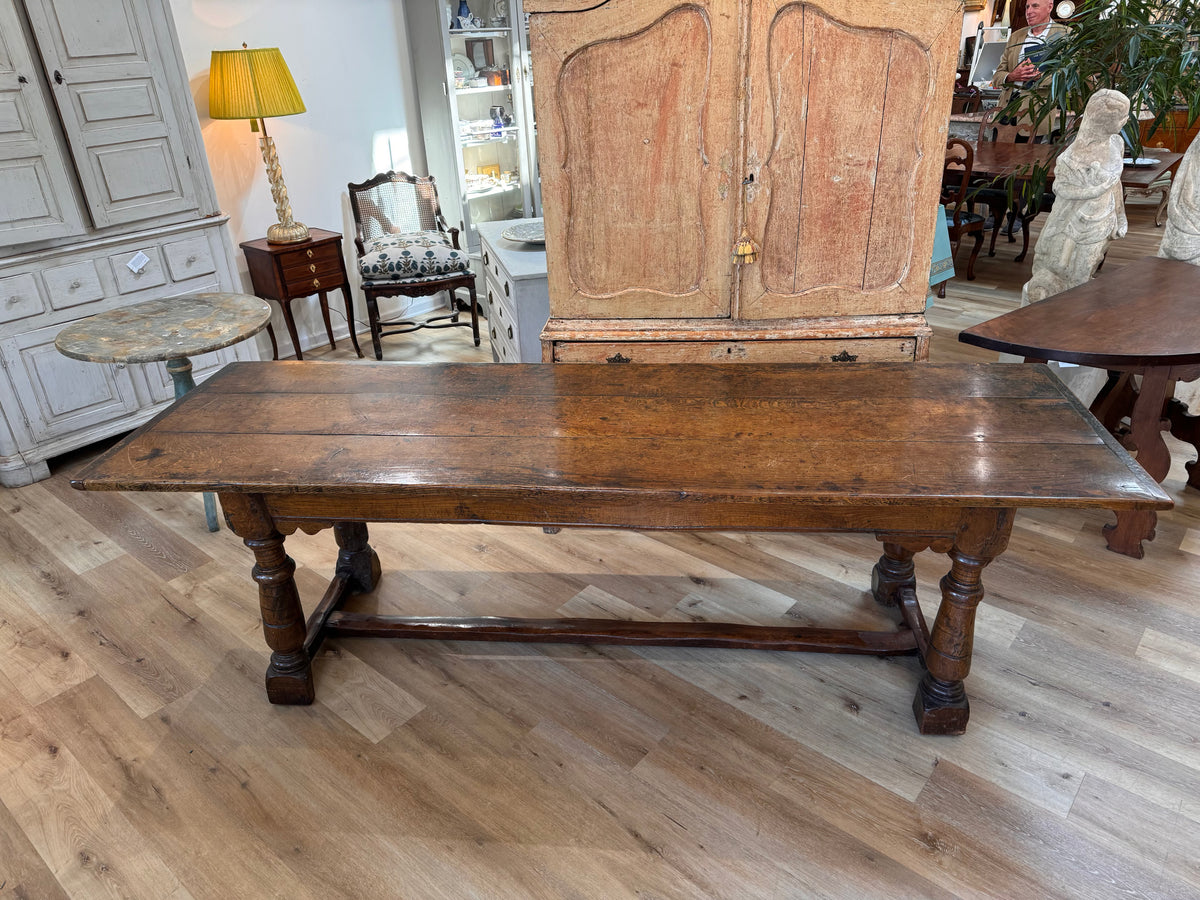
894	572
289	676
357	561
940	705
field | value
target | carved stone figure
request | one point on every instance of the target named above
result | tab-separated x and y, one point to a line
1181	235
1089	209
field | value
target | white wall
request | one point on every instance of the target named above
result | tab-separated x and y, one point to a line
351	62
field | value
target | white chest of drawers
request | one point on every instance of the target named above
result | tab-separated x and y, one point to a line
516	294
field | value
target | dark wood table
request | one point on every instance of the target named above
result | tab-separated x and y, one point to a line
1139	320
923	456
998	160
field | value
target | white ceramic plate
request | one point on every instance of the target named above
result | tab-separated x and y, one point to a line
462	66
1141	162
526	232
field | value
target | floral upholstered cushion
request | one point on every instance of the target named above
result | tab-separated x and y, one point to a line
415	255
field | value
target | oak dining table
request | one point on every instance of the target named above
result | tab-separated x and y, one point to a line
922	456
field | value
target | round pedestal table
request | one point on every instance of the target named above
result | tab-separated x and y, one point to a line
169	330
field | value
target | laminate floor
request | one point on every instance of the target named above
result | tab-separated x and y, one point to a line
139	757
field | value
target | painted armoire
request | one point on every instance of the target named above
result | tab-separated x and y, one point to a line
669	129
106	199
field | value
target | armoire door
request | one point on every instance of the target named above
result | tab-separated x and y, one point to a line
116	106
638	113
37	200
847	103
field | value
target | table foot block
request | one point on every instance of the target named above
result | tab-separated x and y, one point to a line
290	688
941	707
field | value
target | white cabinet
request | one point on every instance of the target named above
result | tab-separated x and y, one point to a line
100	160
516	295
475	90
36	197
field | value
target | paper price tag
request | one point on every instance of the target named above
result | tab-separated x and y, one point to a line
137	262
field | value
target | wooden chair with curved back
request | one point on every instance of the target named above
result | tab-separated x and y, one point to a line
406	249
993	128
957	204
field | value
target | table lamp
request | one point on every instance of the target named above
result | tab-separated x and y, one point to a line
255	85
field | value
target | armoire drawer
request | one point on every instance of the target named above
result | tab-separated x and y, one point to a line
827	351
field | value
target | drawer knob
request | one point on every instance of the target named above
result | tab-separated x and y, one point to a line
309	252
312	267
485	258
191	259
506	293
844	356
510	332
12	301
618	358
316	282
75	285
493	333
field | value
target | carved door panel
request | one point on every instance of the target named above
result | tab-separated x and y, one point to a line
37	201
115	105
846	117
640	108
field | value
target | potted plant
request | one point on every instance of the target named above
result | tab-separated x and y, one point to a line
1149	50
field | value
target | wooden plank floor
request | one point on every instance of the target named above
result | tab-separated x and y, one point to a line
139	758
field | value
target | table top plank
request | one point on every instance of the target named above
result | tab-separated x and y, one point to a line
1110	321
728	433
635	418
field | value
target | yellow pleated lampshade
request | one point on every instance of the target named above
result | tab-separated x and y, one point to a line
251	84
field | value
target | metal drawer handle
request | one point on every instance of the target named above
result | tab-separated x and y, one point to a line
844	356
309	252
316	282
618	358
510	332
485	257
312	267
506	293
493	332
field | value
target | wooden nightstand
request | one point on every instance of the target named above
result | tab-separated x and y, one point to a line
284	272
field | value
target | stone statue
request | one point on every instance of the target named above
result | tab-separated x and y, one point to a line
1181	236
1089	206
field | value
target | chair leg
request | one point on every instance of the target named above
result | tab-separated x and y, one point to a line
974	255
474	313
373	319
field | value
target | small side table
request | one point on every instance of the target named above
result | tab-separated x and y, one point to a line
168	330
285	272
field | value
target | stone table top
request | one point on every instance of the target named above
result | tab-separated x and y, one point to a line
164	329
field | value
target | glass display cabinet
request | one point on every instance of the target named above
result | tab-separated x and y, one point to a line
474	84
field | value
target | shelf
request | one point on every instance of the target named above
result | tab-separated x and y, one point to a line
510	132
480	32
496	191
490	89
